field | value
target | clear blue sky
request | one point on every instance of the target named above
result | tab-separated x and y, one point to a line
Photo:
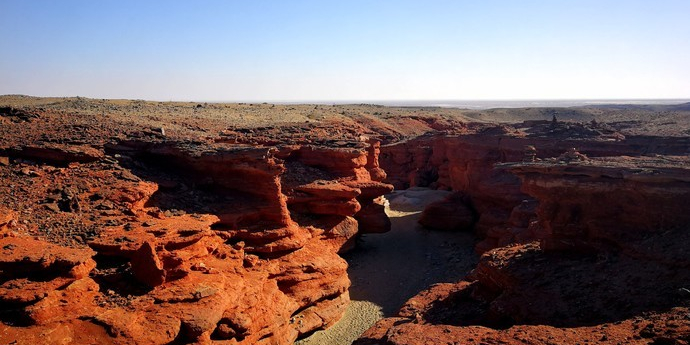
345	50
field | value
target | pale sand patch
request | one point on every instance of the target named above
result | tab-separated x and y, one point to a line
388	269
359	316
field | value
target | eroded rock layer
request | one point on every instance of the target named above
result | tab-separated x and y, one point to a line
150	238
608	264
465	163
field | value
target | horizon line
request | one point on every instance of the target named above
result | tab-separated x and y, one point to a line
369	101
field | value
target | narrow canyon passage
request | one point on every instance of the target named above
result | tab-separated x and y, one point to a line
388	269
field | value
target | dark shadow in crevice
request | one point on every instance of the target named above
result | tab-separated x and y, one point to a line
388	269
563	290
116	280
15	318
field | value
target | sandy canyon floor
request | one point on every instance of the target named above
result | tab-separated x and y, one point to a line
388	269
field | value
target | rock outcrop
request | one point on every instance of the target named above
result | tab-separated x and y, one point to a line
607	201
152	240
606	264
465	163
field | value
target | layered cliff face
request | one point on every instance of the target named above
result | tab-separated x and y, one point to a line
163	241
608	264
465	164
576	249
613	201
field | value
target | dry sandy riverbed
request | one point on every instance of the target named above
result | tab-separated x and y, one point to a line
387	269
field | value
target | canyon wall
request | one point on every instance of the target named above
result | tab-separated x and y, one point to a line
465	164
188	243
605	264
615	202
578	246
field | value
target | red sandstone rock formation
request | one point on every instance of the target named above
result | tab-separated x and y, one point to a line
612	201
345	189
161	229
187	241
201	279
606	268
465	163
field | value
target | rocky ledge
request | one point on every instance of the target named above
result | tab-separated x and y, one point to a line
607	263
156	238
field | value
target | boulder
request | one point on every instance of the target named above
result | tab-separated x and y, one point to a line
451	214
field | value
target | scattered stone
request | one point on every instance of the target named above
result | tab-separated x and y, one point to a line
52	207
29	172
